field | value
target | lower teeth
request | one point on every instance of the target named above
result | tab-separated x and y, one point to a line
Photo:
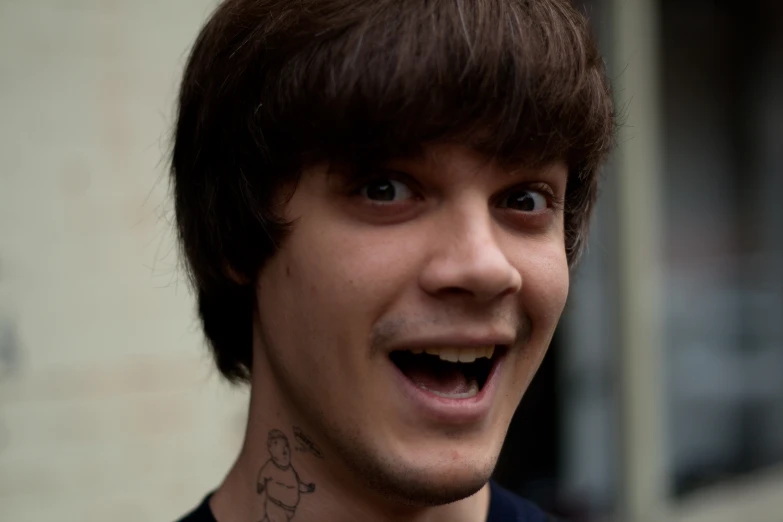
473	389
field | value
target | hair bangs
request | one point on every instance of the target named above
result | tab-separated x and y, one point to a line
512	83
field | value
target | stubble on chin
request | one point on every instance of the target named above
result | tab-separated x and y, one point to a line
402	483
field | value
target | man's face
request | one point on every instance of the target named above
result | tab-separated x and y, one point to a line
447	253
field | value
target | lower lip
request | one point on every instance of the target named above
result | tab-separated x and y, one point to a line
452	411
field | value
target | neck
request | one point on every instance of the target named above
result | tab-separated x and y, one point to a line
316	486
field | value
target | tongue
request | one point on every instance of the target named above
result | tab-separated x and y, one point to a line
442	378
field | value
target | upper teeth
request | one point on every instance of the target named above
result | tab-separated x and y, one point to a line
463	354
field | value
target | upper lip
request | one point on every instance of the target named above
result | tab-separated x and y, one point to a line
454	341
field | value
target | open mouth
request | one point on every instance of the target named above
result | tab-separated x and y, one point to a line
454	373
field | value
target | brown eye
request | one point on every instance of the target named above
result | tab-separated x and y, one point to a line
385	190
524	200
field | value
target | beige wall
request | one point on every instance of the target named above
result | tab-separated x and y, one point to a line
109	408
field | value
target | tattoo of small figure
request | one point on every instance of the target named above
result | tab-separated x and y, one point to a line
306	443
280	481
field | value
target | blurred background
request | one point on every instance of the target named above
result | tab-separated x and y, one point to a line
661	398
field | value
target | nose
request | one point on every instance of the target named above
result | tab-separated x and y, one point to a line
467	259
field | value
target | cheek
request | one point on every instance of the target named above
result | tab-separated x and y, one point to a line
322	293
545	285
545	289
345	277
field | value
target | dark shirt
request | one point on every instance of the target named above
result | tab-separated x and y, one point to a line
504	506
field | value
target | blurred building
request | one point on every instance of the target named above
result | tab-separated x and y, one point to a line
109	408
662	396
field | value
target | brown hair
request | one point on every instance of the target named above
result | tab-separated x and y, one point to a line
272	85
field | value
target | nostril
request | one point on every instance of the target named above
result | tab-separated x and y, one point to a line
455	290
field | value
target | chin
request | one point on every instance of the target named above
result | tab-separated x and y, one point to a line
434	486
422	482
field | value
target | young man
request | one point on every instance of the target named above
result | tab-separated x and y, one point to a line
379	202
